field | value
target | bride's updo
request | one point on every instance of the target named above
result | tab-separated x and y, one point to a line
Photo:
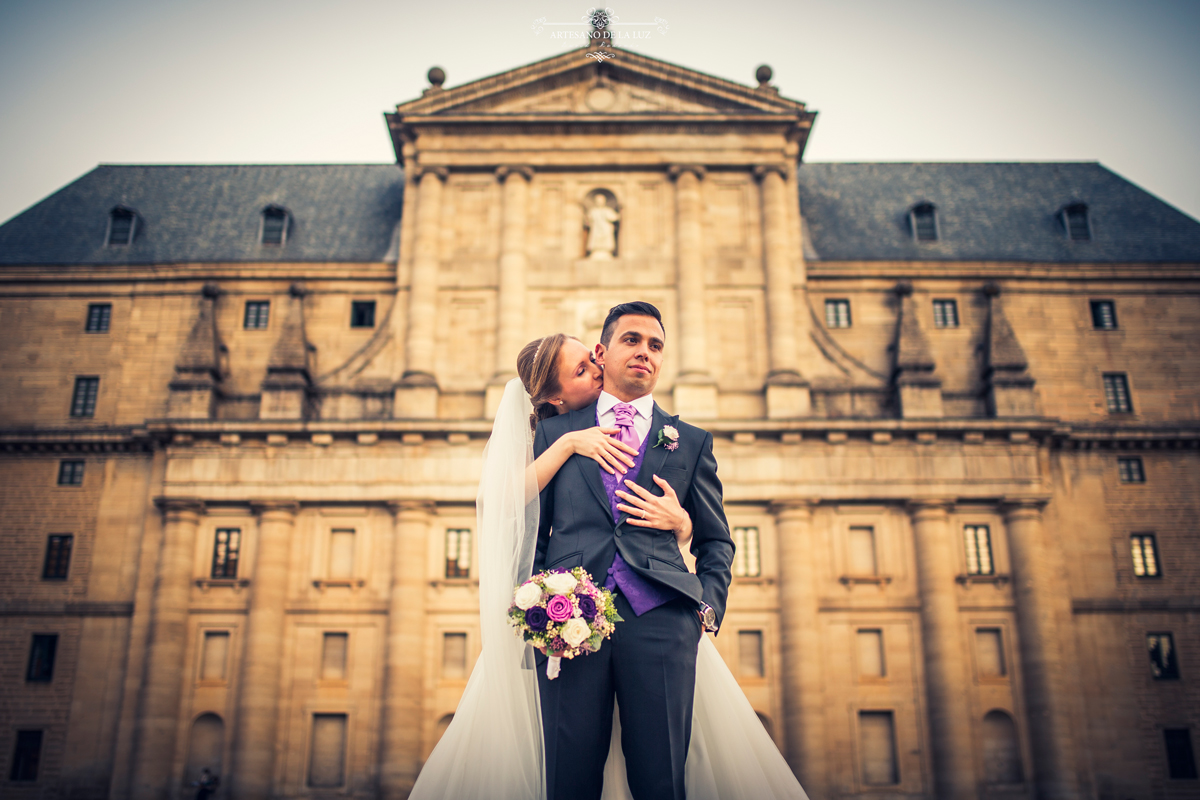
537	366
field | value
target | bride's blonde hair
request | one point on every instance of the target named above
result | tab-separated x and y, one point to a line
537	366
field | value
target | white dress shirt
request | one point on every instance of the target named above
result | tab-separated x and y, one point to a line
644	406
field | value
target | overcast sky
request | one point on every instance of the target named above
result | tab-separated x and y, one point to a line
84	82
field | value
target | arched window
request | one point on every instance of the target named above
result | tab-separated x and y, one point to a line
206	747
922	220
275	225
1001	752
122	226
1075	222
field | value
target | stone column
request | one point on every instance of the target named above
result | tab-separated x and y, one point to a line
945	665
787	392
803	684
404	680
695	390
510	300
417	394
1043	665
158	707
262	654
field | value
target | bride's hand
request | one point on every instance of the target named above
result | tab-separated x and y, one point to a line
599	445
662	513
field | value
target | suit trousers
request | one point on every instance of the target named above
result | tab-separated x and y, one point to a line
649	665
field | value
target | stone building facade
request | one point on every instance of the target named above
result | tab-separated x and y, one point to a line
955	409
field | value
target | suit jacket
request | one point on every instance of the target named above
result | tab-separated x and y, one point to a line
575	506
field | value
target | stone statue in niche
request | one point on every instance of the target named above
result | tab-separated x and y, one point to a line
601	220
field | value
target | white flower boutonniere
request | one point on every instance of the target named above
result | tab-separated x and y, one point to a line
668	437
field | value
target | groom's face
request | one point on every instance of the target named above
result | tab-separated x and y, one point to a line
633	358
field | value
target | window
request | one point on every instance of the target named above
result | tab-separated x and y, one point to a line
26	756
750	654
215	656
83	401
746	560
274	225
258	313
41	658
989	653
327	759
1116	393
227	547
333	656
1163	664
1145	555
837	313
862	551
98	318
1181	760
1131	470
922	219
58	556
362	314
1075	222
341	553
945	313
70	473
871	663
877	736
454	655
121	226
978	540
1104	315
458	553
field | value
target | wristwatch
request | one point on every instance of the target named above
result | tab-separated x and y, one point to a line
708	617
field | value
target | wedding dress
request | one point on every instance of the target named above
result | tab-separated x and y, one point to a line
492	749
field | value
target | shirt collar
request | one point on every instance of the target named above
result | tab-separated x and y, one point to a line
644	405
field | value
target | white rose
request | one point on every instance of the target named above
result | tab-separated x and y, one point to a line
528	596
575	632
561	583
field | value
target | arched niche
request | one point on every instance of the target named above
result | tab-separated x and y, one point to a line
1001	749
206	747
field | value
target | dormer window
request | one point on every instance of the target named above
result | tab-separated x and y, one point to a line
274	225
922	219
122	224
1075	222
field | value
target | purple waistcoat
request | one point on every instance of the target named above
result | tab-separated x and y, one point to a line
642	595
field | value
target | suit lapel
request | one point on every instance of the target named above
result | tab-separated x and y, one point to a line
655	456
581	420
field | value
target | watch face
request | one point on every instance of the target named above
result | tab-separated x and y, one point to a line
710	617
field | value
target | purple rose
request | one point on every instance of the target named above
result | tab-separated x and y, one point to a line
559	608
536	618
587	607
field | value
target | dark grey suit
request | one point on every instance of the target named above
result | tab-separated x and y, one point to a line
650	661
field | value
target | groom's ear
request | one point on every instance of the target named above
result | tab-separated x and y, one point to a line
599	359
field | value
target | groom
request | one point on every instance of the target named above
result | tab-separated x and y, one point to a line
649	664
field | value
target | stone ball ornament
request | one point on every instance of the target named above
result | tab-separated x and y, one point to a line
437	76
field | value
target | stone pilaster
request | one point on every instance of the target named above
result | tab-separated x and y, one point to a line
404	681
510	300
1040	594
158	706
918	387
1006	376
695	389
254	740
416	396
285	390
803	682
946	678
198	372
788	394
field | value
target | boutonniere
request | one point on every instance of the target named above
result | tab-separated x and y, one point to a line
668	437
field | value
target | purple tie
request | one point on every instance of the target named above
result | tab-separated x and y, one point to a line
626	434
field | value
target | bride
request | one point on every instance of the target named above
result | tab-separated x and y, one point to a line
492	749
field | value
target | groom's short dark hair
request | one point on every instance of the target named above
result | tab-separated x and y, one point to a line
638	308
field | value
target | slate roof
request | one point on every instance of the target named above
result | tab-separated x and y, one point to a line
344	212
349	213
988	212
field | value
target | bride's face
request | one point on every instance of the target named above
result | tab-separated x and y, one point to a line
581	380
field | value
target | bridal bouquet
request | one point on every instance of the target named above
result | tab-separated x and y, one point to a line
563	613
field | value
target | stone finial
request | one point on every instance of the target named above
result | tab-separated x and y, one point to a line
917	384
763	74
437	76
1006	375
285	390
198	370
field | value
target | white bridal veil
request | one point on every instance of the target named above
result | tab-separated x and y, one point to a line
493	747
